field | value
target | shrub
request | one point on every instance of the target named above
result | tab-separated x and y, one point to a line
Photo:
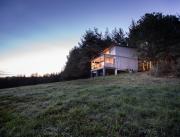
163	68
178	68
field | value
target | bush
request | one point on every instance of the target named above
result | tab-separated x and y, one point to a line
163	68
178	68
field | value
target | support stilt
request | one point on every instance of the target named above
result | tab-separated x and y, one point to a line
96	73
115	71
104	71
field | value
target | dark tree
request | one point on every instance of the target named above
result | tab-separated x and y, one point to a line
118	37
71	70
156	36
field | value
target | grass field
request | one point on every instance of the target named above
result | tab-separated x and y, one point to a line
132	105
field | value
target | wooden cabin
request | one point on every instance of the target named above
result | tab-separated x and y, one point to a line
116	59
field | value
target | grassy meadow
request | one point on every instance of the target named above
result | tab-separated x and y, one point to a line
127	105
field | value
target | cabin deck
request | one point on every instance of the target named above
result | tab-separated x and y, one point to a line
104	60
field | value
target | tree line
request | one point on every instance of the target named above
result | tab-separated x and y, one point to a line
155	36
16	81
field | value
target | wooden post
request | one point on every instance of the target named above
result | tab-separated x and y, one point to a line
104	71
150	64
143	67
104	59
115	72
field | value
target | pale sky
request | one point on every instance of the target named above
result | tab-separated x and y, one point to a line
41	58
36	35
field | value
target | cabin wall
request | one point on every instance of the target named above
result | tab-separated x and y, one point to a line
123	63
126	58
126	52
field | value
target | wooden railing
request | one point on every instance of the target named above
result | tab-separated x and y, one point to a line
103	61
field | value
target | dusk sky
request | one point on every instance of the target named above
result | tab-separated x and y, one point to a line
36	35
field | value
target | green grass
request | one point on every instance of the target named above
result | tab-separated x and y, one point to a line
128	105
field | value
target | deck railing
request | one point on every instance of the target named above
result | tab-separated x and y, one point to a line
103	61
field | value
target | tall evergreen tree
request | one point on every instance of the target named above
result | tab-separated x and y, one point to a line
156	36
118	37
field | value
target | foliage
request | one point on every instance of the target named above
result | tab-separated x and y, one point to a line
163	68
118	37
178	68
111	106
156	36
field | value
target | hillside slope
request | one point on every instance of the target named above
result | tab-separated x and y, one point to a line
112	106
